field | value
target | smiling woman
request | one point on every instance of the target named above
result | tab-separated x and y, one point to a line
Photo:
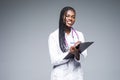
69	18
62	42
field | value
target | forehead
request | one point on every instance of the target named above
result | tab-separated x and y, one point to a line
70	12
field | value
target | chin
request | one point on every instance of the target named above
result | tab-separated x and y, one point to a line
69	26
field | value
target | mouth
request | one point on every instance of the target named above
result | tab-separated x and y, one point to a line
69	22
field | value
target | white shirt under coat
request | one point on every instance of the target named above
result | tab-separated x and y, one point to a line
68	69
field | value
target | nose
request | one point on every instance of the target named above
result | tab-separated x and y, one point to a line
70	18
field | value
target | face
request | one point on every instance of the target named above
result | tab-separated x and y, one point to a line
69	18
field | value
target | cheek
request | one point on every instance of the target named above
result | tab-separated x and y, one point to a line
73	20
64	19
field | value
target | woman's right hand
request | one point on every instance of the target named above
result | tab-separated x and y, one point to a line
75	52
72	49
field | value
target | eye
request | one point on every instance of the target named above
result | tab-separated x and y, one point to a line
73	17
67	15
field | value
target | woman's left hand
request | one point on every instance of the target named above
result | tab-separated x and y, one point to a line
77	53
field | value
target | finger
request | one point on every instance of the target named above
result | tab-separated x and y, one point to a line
77	43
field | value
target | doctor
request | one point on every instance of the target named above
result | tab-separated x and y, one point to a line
62	42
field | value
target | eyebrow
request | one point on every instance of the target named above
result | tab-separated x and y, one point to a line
70	15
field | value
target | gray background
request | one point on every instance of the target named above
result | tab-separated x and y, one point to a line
26	24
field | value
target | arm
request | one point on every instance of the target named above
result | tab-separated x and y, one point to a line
56	55
75	50
84	53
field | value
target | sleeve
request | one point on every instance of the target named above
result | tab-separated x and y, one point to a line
84	53
56	55
82	39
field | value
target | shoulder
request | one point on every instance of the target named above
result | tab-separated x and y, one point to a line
79	33
54	33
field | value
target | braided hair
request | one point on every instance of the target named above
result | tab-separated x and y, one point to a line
62	27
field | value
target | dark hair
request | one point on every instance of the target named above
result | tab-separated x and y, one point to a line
62	27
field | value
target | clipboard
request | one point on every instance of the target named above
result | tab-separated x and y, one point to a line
83	46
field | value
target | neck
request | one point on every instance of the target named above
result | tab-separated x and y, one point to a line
67	30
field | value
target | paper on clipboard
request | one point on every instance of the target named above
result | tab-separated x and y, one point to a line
82	47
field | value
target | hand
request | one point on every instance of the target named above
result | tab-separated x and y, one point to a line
75	52
72	49
77	55
77	43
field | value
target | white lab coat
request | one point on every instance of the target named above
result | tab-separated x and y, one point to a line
67	69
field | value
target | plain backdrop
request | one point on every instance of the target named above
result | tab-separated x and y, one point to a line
26	24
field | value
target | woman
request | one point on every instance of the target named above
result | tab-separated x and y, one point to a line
62	42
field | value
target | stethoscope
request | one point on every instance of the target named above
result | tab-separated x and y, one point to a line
73	31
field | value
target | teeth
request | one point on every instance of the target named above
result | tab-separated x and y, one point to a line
69	22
